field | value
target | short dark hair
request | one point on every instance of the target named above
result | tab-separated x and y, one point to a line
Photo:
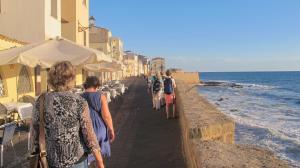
91	82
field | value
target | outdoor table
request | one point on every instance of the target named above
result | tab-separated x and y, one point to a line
77	91
25	112
107	95
113	92
24	109
120	88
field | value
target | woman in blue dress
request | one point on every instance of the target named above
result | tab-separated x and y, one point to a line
100	115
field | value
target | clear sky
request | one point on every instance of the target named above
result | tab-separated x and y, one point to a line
208	35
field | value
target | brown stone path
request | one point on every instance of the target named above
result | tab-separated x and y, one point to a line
144	137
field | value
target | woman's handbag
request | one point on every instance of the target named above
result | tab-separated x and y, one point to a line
39	159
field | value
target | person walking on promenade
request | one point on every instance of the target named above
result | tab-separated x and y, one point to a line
169	90
162	100
100	115
69	133
149	80
156	91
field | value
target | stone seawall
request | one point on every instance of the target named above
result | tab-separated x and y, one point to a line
187	77
208	135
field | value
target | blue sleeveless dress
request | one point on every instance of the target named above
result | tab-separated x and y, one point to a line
94	101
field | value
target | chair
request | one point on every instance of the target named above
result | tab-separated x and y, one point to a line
7	136
24	115
23	126
3	112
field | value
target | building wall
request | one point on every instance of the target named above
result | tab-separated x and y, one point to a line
132	66
82	15
52	24
68	13
10	74
29	21
104	47
100	39
117	45
79	76
158	65
146	70
75	12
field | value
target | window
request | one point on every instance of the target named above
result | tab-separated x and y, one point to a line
54	8
2	86
24	82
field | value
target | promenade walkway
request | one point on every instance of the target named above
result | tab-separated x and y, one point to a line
145	138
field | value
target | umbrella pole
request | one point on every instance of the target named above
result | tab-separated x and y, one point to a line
17	86
48	69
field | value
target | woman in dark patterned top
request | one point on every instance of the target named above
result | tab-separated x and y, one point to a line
68	127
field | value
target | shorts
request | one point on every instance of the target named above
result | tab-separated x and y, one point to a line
169	98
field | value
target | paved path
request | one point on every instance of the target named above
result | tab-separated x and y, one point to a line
145	138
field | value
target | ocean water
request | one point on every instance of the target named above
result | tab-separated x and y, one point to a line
265	106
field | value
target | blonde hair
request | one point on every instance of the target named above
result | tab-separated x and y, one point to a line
61	76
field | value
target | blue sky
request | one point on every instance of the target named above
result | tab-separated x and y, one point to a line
208	35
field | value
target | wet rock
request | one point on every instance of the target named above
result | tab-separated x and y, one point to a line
211	83
221	99
224	84
233	85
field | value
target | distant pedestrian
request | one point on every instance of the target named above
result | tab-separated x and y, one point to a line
156	91
149	85
169	91
100	115
68	128
152	79
162	100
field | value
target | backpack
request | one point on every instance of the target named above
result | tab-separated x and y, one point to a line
156	86
168	86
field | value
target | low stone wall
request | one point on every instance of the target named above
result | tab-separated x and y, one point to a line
188	77
208	135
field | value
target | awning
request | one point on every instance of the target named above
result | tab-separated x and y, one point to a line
104	66
99	67
48	52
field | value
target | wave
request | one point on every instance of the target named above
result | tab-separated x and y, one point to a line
225	83
266	123
271	138
277	133
259	86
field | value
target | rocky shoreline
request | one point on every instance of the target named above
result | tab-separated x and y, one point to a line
208	134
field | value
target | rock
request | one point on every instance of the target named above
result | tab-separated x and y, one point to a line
221	99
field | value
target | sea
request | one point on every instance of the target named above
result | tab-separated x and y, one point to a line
264	105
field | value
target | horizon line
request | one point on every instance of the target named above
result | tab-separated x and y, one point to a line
248	71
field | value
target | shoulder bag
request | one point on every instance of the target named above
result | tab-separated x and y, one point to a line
39	159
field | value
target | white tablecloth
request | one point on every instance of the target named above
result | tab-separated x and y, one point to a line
107	95
113	93
24	109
